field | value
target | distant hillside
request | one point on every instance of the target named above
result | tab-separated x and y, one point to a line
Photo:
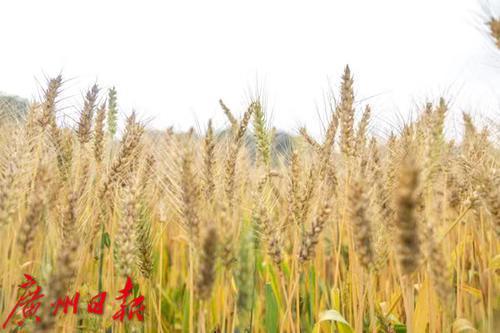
281	146
12	107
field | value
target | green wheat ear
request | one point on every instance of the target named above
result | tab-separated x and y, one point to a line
112	111
262	135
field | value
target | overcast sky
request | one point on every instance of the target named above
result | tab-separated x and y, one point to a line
173	60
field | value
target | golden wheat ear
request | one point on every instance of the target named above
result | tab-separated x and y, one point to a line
361	224
206	273
346	113
83	131
494	25
311	238
209	160
408	237
99	133
190	197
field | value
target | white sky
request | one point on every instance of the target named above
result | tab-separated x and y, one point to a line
173	60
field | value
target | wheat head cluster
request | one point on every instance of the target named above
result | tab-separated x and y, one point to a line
347	233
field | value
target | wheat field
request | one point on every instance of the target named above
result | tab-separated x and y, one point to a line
220	231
